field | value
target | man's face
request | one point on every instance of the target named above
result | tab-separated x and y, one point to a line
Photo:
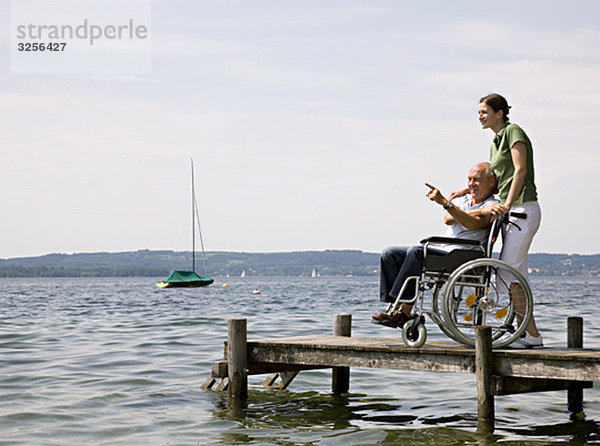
480	185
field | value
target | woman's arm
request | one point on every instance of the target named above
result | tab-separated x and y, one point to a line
458	193
518	152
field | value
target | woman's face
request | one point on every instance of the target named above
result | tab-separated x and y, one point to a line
489	118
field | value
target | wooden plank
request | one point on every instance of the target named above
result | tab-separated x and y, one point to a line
215	383
332	351
218	369
223	384
569	367
270	380
285	379
208	383
260	368
504	385
370	352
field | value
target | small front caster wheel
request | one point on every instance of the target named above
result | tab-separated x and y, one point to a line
414	333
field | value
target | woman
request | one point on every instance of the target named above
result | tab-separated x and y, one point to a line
511	157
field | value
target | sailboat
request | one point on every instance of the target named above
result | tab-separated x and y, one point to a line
188	279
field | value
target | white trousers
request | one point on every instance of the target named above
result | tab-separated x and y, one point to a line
515	242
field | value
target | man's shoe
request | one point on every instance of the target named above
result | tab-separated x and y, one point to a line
395	320
528	341
379	317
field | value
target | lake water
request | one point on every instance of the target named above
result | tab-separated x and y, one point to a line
120	362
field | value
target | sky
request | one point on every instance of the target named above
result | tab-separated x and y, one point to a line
313	125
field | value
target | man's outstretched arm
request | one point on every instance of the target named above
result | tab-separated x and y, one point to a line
472	220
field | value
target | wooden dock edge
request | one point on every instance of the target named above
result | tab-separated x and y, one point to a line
241	360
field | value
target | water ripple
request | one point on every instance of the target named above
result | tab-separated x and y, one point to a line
117	361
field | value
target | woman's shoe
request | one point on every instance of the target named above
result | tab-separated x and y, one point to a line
528	341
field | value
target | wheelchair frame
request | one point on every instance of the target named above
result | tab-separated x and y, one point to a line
490	301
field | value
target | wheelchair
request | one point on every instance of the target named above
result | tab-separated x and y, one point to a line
468	288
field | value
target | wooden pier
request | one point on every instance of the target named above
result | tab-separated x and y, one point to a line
499	372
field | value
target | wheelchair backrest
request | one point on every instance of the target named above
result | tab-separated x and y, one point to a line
447	263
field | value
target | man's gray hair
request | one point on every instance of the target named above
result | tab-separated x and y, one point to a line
488	172
487	169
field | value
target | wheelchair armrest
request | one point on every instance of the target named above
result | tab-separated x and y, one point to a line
450	241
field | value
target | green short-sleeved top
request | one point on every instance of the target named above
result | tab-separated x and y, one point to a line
503	167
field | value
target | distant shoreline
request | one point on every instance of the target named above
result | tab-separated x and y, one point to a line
199	255
146	263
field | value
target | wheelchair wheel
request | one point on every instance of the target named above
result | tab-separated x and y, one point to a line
486	292
414	333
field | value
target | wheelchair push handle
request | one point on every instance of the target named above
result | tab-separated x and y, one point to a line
517	215
505	219
497	225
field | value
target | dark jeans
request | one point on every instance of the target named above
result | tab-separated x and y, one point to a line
397	264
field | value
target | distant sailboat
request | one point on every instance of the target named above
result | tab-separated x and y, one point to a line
243	273
188	279
314	273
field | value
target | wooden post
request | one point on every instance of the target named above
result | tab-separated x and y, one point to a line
575	340
237	359
484	369
340	380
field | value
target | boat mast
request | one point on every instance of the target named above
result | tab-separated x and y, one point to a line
196	221
201	238
193	220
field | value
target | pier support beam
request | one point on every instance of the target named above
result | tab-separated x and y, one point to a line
237	359
340	380
575	391
484	369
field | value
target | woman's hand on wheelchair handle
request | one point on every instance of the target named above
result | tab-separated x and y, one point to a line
497	210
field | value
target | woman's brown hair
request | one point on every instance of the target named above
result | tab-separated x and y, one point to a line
497	102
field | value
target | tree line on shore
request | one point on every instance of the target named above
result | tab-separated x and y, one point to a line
145	263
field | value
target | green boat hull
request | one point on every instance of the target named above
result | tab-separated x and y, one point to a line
185	279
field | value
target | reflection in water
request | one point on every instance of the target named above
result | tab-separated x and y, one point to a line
274	417
277	416
576	432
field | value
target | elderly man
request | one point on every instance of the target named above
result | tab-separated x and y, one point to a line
467	218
